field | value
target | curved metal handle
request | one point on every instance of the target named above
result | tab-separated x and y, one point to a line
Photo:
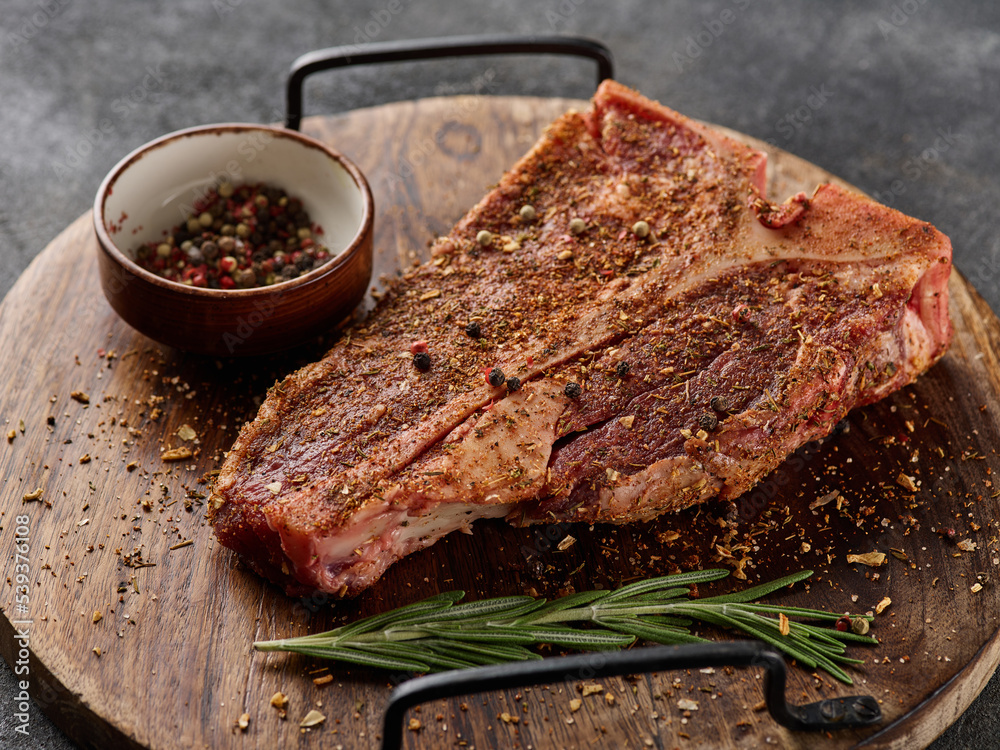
428	49
832	713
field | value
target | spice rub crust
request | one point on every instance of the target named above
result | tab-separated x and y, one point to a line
645	368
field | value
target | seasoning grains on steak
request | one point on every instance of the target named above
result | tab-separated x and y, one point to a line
795	313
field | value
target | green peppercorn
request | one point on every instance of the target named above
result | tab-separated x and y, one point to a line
527	212
621	369
708	421
577	226
496	377
641	229
719	403
205	219
472	330
573	390
513	384
484	237
225	189
422	361
859	625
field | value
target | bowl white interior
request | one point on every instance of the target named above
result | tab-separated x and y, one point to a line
158	189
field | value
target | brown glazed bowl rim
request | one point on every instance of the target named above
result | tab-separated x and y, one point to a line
183	291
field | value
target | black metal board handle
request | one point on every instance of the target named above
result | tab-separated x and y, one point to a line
830	714
428	49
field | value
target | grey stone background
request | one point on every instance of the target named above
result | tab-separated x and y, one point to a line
900	98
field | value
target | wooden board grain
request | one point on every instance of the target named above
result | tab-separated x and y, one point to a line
119	532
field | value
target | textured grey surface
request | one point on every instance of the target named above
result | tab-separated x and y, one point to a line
900	98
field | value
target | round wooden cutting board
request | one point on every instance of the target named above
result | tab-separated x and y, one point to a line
140	625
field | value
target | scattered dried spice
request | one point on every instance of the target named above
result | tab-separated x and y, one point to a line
906	482
312	719
967	545
11	435
415	725
33	495
186	432
242	236
97	616
784	627
80	396
243	722
324	680
566	542
575	704
279	700
880	607
176	454
621	369
872	559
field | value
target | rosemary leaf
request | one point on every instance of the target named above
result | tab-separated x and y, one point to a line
437	633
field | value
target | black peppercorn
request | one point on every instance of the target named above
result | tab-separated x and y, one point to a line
496	377
472	330
708	421
719	403
622	369
573	390
422	361
513	384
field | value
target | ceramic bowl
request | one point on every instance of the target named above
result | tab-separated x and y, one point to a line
153	189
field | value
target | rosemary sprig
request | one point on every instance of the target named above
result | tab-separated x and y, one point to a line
438	633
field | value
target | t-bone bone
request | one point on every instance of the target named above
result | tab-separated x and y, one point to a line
665	335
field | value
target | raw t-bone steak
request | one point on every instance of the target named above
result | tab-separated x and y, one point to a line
641	373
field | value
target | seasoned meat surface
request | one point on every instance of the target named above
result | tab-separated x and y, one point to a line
642	371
